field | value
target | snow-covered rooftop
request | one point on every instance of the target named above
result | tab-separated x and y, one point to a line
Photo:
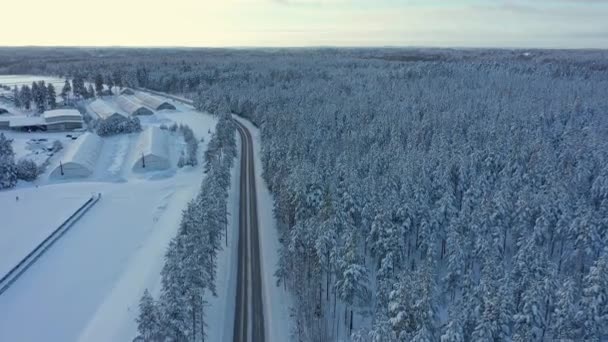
153	141
131	107
6	118
84	151
153	102
62	113
103	110
25	121
52	117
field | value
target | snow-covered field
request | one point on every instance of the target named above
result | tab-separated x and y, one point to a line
29	145
30	219
21	80
88	285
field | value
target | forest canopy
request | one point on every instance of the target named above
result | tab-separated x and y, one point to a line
421	194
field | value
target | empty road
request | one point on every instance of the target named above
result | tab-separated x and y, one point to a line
249	311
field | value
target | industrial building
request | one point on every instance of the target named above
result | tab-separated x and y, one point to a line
104	111
131	107
153	102
152	152
80	159
52	120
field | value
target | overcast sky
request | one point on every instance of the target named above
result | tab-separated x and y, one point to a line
474	23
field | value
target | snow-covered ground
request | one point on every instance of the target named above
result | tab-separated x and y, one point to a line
145	267
25	221
277	301
21	80
87	286
63	291
29	145
220	312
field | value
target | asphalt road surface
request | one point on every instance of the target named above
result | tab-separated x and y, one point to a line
249	311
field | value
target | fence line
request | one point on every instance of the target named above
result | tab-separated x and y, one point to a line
38	251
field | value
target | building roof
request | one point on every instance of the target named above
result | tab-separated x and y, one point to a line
26	121
103	110
84	151
153	102
152	148
153	141
52	117
62	113
132	107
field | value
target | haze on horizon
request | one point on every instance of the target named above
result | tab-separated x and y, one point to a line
226	23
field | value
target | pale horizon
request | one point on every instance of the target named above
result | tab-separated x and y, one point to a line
558	24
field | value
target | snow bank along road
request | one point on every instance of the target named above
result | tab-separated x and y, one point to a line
249	275
249	324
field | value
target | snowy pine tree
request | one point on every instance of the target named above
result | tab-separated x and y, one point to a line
8	171
65	92
51	96
564	323
593	308
26	97
99	85
17	97
148	321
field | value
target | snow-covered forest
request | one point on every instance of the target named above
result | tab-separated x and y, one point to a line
421	195
189	273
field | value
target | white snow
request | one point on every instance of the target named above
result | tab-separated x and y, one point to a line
130	107
153	101
220	312
60	113
29	220
104	110
64	289
152	150
277	301
22	120
81	158
114	318
88	285
21	80
35	146
120	150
